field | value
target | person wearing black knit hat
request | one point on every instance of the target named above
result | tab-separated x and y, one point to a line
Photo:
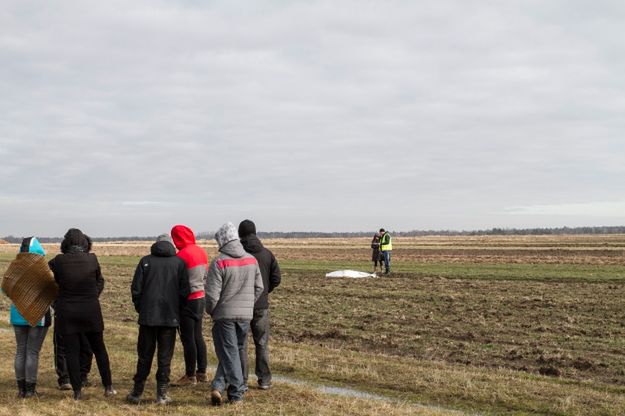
270	270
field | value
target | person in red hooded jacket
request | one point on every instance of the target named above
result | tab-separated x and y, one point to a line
191	314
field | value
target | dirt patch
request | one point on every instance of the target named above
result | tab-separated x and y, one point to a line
559	329
453	256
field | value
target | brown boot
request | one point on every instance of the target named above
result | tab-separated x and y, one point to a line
216	398
185	381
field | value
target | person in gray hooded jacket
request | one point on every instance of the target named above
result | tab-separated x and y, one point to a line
233	284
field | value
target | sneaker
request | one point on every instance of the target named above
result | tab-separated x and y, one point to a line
201	377
65	386
264	386
235	403
161	394
132	399
216	399
109	391
163	400
185	381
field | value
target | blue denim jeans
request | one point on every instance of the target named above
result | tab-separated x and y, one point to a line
29	340
230	338
260	334
387	260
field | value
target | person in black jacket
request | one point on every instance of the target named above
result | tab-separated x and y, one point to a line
159	288
78	312
270	270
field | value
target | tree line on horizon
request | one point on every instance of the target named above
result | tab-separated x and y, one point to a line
209	235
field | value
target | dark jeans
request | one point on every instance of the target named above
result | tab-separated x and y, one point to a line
191	336
28	340
72	355
149	338
260	334
230	338
60	364
387	260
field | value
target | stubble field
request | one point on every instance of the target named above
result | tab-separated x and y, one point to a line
464	325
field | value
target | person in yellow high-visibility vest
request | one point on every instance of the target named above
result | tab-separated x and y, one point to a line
386	246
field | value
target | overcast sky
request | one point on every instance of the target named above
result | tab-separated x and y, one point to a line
125	118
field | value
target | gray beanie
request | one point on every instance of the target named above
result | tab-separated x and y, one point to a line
226	234
165	237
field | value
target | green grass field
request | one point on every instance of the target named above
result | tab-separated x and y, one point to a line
437	337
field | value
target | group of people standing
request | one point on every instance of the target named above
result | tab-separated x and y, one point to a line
381	247
78	323
171	290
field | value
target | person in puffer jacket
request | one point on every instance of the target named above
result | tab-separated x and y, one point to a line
191	314
28	339
159	287
233	285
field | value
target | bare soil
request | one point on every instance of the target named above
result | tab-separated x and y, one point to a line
573	330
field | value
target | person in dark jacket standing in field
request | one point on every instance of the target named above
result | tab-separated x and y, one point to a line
376	254
233	285
77	272
270	271
159	287
192	312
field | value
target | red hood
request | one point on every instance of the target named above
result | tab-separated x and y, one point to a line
182	236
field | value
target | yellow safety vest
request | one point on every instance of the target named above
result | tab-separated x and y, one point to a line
385	243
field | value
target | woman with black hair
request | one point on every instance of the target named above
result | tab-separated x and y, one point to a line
77	272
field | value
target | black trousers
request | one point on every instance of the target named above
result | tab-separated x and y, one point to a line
60	364
191	336
72	356
151	337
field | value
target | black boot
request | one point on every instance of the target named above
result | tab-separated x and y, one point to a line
77	395
134	397
21	389
31	390
161	393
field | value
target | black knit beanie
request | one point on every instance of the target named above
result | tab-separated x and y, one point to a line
246	228
76	238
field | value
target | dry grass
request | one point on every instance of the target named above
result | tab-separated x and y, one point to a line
467	335
283	399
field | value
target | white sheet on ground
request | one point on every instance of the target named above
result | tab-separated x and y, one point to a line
350	273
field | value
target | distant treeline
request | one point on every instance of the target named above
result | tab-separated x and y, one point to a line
421	233
338	234
13	239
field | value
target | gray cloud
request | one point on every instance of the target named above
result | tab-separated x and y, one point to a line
127	118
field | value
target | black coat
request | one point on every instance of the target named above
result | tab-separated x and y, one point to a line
160	286
269	268
80	281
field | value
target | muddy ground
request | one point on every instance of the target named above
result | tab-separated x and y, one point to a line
573	330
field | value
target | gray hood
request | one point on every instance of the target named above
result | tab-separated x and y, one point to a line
234	249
